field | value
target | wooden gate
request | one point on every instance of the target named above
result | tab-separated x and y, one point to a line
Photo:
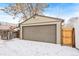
68	37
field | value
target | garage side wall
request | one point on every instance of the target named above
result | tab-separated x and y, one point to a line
59	32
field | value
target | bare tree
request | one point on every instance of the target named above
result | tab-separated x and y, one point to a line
24	10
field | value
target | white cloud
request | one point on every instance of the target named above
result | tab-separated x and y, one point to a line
9	19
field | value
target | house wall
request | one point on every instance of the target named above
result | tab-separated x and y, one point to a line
6	34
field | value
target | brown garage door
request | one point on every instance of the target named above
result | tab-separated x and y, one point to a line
44	33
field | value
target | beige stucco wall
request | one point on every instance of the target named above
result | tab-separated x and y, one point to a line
39	19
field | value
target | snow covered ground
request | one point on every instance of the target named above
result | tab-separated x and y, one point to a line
16	47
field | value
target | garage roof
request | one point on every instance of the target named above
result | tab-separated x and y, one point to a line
41	18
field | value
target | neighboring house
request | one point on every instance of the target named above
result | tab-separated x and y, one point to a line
41	28
6	32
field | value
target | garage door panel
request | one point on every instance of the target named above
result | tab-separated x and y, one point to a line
40	33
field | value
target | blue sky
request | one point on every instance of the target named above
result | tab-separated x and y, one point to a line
60	10
63	10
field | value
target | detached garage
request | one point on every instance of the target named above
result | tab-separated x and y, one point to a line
41	28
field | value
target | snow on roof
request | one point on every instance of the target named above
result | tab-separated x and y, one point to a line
3	27
6	27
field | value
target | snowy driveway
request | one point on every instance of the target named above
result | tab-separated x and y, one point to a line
18	47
